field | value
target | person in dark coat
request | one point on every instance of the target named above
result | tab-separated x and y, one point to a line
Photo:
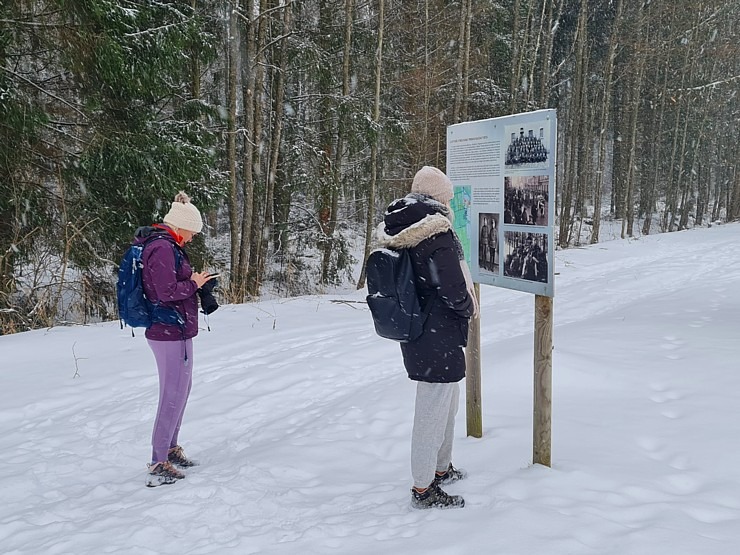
170	282
492	245
529	267
483	245
421	222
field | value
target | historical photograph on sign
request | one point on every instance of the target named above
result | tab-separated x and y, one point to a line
526	256
526	200
527	145
488	251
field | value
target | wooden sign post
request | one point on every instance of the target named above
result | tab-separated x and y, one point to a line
542	380
473	377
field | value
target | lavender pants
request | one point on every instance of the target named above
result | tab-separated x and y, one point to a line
175	380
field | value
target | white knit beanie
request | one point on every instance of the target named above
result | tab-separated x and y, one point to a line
433	182
184	215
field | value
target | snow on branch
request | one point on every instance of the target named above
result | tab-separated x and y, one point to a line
18	76
154	29
708	85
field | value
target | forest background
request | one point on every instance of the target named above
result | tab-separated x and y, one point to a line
292	124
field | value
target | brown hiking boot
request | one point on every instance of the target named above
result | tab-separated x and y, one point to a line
177	457
162	473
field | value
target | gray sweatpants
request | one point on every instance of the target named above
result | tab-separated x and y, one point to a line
434	429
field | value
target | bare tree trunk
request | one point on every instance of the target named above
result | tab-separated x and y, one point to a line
682	157
236	278
574	116
257	228
326	116
679	187
629	203
460	64
697	148
721	179
585	147
248	84
211	217
515	47
605	118
672	194
195	65
466	65
374	147
733	205
538	34
718	196
523	52
636	99
553	23
688	197
657	155
702	193
339	153
277	129
427	84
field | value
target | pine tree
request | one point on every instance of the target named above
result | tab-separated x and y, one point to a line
148	136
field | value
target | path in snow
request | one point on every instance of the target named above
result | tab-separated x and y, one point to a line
301	418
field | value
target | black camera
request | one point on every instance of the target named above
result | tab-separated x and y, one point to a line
208	303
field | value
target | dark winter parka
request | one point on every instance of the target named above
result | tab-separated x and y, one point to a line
169	283
419	223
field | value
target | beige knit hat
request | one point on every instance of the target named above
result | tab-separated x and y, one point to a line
433	182
184	215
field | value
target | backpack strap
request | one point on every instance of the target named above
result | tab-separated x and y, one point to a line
175	247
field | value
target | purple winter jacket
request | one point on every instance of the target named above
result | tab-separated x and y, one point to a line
172	286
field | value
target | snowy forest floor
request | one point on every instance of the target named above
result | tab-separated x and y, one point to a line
301	418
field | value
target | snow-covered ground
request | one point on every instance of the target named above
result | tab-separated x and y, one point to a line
301	418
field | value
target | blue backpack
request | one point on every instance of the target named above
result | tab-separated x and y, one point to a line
392	297
134	309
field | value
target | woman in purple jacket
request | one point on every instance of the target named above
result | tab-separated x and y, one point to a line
170	282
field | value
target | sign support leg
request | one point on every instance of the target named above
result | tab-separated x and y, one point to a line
542	380
473	402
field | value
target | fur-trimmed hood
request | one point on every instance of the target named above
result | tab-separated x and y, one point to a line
412	219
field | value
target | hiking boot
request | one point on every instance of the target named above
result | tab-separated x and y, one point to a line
449	476
435	498
161	474
177	457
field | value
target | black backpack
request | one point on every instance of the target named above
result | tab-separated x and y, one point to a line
392	297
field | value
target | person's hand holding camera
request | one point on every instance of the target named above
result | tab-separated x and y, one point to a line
208	303
200	278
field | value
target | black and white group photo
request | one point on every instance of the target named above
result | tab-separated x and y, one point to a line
526	146
526	256
526	200
488	251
